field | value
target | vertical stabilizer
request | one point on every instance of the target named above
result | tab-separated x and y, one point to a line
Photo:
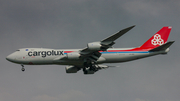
158	39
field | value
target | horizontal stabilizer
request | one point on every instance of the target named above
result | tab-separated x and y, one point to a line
163	47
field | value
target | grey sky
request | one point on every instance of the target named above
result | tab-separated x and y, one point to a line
72	24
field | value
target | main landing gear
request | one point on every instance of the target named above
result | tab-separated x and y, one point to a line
90	67
23	69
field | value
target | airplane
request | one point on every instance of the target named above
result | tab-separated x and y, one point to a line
91	58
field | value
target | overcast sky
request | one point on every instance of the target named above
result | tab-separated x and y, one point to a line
64	24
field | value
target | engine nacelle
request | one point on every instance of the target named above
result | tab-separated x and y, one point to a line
73	56
71	69
94	46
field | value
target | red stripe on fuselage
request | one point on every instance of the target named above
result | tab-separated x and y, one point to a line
134	49
128	50
68	51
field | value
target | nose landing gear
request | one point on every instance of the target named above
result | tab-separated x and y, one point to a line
23	69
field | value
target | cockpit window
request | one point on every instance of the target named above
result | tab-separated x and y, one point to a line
17	50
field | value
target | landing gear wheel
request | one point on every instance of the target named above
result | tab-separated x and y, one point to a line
85	70
23	69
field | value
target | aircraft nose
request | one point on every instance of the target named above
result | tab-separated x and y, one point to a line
10	57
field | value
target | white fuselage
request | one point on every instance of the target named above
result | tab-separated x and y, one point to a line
42	56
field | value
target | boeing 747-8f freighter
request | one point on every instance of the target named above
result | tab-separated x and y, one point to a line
91	58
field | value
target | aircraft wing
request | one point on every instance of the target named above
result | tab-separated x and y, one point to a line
92	49
113	37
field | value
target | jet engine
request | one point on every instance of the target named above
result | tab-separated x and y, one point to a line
73	56
72	69
94	46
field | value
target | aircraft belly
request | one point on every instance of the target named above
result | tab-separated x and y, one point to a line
123	57
75	63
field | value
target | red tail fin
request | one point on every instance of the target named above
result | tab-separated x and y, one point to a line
158	39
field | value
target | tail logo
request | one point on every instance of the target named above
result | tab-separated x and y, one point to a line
157	40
